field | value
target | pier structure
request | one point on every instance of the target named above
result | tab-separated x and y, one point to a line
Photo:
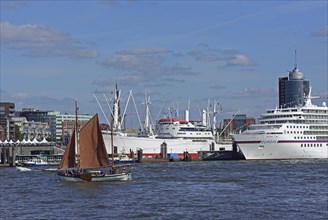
12	152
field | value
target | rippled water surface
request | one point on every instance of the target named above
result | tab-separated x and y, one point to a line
286	189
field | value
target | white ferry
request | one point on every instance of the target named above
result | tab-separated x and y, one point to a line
287	133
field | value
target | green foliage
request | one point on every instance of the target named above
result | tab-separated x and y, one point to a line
18	134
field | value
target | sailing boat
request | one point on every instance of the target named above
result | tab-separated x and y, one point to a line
86	159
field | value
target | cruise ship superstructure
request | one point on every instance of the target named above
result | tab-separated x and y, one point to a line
287	133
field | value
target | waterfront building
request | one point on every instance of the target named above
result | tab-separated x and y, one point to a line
7	111
32	129
238	123
36	115
293	89
48	124
65	124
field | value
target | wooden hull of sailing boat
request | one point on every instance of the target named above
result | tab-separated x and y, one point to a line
97	178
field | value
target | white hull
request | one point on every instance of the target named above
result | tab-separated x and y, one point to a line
23	169
152	146
106	178
257	148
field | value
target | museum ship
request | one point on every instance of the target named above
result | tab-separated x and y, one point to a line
171	136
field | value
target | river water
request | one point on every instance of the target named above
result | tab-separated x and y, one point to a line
288	189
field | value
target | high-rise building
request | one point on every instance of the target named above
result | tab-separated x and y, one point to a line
7	111
293	89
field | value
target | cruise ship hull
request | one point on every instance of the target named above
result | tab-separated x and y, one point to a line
151	146
277	148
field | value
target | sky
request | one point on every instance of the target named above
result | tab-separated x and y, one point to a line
177	52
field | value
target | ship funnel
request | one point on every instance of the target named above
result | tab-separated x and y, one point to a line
204	118
187	115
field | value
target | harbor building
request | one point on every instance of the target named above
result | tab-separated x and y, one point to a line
293	89
238	123
7	126
60	125
65	124
30	130
36	115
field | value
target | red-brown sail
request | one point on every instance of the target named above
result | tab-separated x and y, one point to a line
93	152
68	159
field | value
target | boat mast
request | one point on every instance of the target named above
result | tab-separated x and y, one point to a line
111	140
214	118
116	109
77	150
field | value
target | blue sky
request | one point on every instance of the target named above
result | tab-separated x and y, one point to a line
232	51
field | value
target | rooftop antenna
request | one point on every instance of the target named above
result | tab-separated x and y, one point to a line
295	59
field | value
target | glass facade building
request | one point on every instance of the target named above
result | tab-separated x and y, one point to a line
293	89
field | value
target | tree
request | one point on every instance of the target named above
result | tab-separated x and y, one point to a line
18	134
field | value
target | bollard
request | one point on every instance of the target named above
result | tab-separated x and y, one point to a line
140	156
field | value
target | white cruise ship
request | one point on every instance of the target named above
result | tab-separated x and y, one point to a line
287	133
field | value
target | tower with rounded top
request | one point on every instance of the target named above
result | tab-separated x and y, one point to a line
293	89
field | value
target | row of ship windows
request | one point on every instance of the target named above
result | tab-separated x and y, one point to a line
306	137
311	145
315	111
315	116
297	126
295	122
308	133
294	132
196	133
297	116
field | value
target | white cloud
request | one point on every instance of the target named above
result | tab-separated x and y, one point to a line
217	87
240	60
132	62
154	66
145	51
147	65
227	57
13	5
323	32
41	41
106	85
253	93
39	101
139	59
206	56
